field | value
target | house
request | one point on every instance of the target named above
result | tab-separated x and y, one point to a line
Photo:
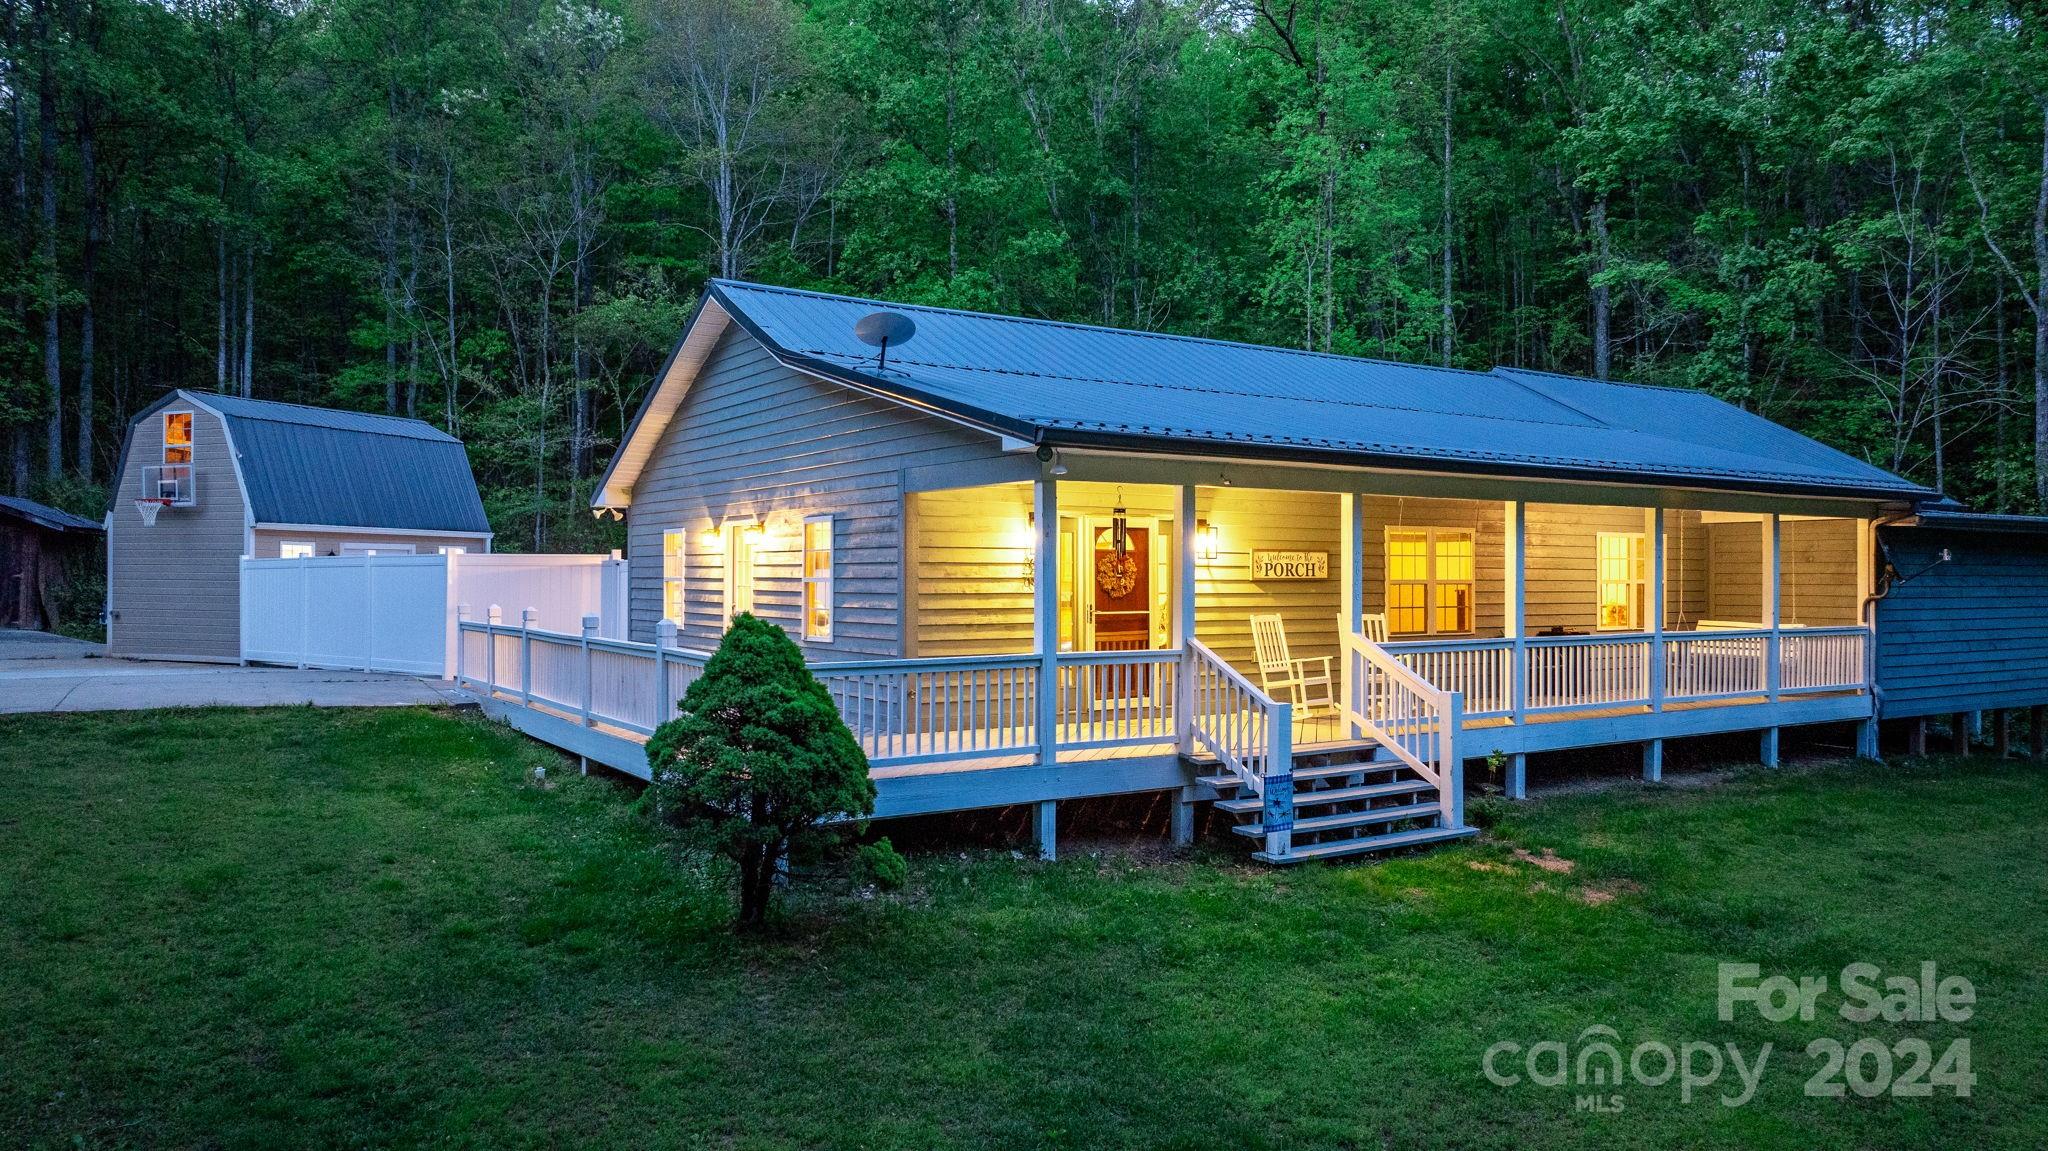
1036	561
37	544
208	479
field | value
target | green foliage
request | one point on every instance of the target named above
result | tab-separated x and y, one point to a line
496	218
881	865
758	757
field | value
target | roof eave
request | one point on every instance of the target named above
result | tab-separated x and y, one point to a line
1291	453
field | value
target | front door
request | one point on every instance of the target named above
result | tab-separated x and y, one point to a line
1120	606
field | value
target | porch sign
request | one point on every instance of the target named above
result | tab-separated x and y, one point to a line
1290	565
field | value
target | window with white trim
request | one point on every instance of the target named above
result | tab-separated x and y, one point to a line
1624	578
673	544
295	550
818	578
369	549
451	550
177	437
1430	574
739	568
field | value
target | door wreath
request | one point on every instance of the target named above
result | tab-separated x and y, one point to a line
1116	574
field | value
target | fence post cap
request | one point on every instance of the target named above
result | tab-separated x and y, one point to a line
528	614
666	629
462	611
590	623
497	613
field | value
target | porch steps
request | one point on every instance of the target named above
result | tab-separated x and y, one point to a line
1366	844
1351	799
1348	819
1329	795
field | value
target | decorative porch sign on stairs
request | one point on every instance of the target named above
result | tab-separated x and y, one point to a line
1354	799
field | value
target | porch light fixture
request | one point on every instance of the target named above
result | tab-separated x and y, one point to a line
753	533
1205	540
1059	466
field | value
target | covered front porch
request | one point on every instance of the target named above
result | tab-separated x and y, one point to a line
1070	635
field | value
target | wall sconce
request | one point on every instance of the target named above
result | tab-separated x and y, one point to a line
1027	539
1205	540
753	534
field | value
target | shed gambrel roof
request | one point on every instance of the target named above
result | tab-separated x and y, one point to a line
327	467
1079	386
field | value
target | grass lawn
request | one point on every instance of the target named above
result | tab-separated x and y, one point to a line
327	928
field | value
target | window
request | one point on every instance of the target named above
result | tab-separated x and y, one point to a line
1624	578
1429	581
295	550
818	578
367	549
672	544
451	550
739	568
177	437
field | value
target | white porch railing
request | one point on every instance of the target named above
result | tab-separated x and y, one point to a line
1251	735
903	711
1821	658
1583	672
1416	720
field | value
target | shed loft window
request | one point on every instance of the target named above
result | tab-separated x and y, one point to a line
818	578
739	568
1624	578
672	544
1429	581
177	437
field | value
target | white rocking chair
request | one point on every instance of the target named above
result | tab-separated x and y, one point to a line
1374	627
1280	672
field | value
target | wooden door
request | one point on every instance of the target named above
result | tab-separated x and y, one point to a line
1121	599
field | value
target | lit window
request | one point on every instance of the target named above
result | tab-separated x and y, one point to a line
672	544
739	568
452	550
364	549
1430	574
177	437
1624	578
295	550
818	578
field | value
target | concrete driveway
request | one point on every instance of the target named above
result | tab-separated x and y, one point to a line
56	674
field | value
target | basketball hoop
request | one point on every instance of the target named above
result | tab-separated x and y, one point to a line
147	509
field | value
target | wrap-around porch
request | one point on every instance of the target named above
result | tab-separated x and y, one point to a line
1448	629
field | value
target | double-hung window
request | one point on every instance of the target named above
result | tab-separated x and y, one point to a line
739	569
1429	581
818	579
672	545
1624	570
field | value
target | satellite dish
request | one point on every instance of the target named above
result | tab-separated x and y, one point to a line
881	329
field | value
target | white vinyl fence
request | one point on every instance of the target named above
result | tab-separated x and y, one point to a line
397	612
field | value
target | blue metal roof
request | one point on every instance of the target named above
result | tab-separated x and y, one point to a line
1079	385
45	516
304	465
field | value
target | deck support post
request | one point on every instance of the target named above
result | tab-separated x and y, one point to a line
1866	739
1959	733
1774	570
1045	821
1977	727
1656	669
1916	737
1516	786
1351	514
590	626
1045	595
1518	602
2037	731
1653	761
2002	729
1767	748
1184	817
1184	629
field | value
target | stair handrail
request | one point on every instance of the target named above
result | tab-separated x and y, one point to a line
1409	716
1250	733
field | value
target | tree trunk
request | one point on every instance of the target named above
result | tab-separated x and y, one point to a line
1603	355
1449	101
248	322
21	243
88	266
2041	325
53	378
